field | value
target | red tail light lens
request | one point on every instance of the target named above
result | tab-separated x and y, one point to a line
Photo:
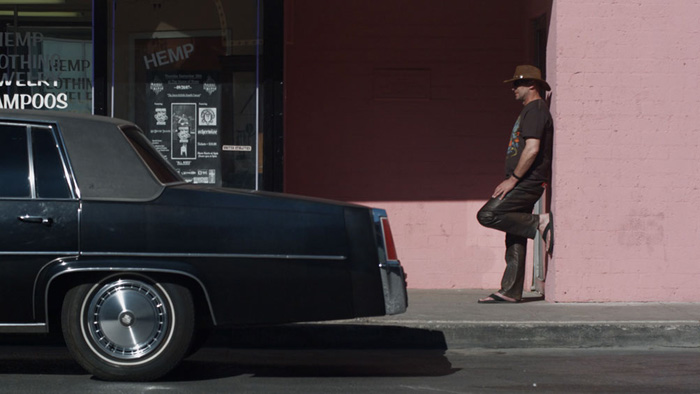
389	241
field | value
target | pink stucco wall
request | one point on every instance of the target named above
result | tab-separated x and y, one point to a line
626	79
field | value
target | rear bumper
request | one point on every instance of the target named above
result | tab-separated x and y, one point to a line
394	285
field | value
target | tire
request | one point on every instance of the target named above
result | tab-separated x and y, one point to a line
128	329
200	337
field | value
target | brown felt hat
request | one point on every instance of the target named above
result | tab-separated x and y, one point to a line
527	72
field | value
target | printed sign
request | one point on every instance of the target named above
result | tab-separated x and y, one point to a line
183	123
237	148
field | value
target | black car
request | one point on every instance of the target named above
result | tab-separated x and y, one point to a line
102	239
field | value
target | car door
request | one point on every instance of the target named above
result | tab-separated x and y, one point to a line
38	215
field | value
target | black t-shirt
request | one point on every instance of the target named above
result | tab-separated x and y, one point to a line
534	121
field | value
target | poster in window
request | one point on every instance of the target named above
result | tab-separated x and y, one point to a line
177	97
183	124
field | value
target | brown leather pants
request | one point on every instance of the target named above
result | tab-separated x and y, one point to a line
513	215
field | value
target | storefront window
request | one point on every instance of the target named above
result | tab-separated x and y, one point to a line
46	57
188	74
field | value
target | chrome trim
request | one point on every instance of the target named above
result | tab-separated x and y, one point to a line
35	199
22	123
60	260
131	269
36	219
79	219
218	255
394	289
390	263
43	253
18	328
30	156
73	253
67	166
61	156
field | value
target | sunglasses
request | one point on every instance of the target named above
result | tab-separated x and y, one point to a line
522	82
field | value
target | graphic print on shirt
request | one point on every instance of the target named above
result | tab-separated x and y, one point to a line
514	144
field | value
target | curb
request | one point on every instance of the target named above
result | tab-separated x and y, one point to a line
571	335
463	335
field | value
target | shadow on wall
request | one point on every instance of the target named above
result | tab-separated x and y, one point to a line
401	100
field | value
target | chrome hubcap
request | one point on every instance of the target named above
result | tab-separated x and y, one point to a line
127	319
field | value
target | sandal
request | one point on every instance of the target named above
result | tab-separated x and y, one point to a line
496	298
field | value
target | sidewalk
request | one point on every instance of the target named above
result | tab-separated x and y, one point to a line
537	323
452	319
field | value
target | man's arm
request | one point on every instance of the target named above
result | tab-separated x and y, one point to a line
532	148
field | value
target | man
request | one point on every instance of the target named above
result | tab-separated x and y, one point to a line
528	168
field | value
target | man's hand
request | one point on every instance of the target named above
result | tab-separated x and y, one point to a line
532	147
504	188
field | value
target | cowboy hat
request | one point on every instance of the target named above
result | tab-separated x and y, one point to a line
527	72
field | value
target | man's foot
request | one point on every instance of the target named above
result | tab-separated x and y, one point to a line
497	298
546	229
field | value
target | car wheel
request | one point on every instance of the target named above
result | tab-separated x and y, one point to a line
200	337
127	328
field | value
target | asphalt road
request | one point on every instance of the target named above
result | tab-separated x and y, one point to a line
49	369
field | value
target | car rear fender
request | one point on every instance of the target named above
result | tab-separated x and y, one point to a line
63	273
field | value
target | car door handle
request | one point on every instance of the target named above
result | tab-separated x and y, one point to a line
36	219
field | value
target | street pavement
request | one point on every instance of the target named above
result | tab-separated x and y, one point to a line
452	319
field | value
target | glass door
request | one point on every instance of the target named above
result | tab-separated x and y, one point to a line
188	74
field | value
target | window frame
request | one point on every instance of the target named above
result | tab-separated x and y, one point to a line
67	172
159	167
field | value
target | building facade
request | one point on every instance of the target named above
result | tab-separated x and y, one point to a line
400	104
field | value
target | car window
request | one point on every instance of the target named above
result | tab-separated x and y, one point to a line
49	173
14	162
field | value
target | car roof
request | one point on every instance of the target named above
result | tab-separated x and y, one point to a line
31	115
105	164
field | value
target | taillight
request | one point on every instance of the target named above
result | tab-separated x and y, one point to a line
389	241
